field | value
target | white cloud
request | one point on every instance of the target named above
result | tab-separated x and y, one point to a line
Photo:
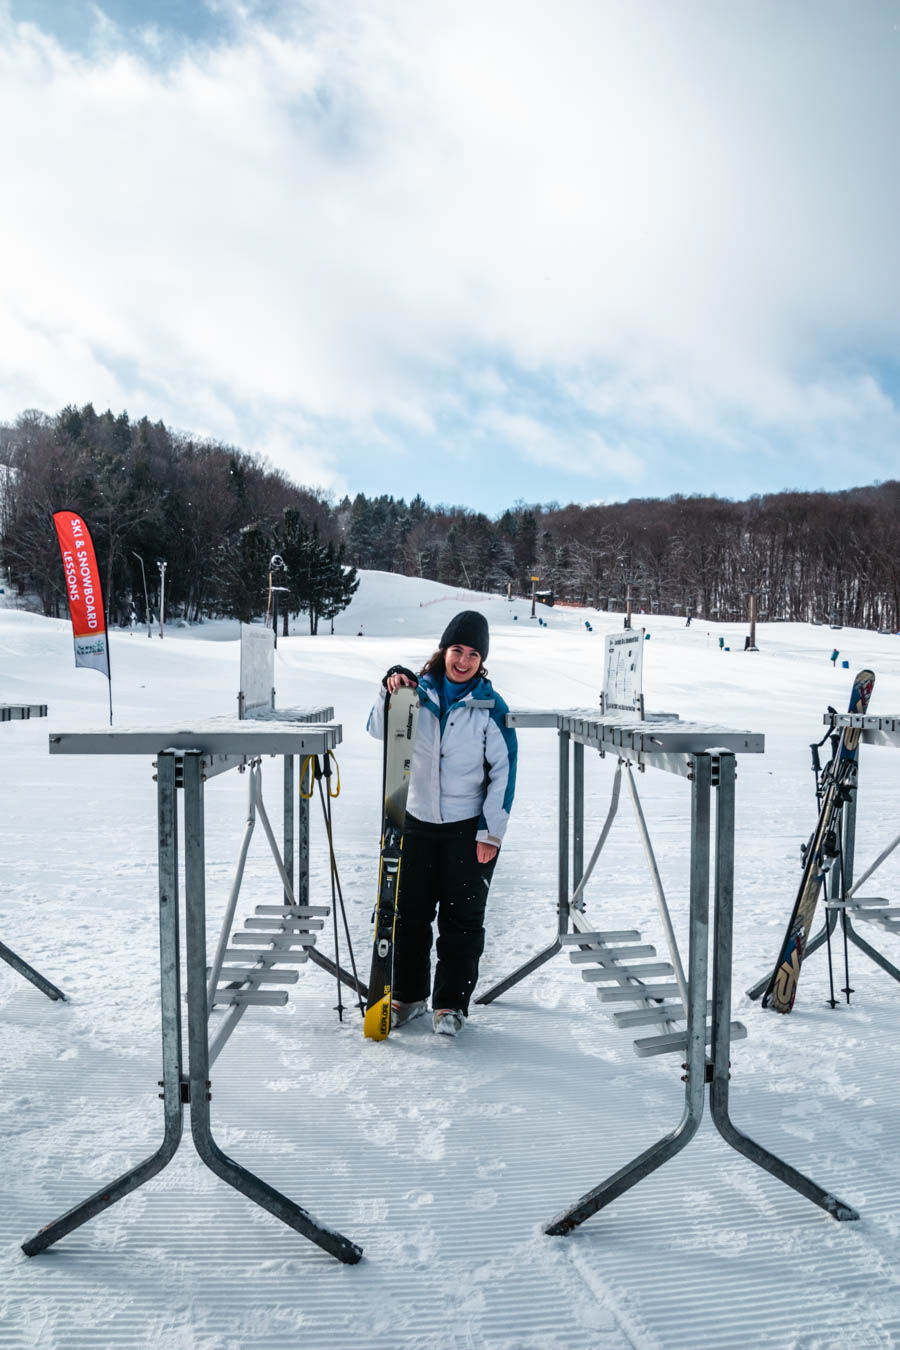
679	220
585	454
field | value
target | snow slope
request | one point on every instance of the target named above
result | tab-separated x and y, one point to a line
442	1159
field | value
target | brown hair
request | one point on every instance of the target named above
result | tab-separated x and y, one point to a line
436	666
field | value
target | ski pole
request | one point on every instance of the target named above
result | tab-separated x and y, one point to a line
318	774
336	879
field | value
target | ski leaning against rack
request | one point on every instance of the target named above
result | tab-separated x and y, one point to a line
401	716
838	782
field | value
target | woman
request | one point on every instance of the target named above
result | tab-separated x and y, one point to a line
461	785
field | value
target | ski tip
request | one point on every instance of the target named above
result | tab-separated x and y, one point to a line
377	1020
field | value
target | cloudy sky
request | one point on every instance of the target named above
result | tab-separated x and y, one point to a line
488	250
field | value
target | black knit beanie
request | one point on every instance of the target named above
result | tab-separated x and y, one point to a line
468	629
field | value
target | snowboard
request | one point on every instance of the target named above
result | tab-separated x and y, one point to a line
400	720
781	990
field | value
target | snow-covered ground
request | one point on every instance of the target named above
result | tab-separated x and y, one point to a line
443	1159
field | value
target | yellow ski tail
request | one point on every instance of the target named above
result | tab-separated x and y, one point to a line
377	1020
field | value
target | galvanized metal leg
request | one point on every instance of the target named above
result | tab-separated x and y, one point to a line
563	887
198	1048
29	972
721	994
287	852
170	1002
302	827
848	833
577	813
535	962
695	1063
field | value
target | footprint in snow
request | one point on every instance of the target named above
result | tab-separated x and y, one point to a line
483	1199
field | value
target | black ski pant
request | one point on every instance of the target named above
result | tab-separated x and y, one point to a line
440	874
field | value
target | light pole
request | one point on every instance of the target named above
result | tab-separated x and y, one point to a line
627	604
146	596
750	642
276	564
162	595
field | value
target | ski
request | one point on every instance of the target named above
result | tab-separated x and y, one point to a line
400	719
838	781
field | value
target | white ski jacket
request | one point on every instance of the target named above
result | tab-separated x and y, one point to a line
464	763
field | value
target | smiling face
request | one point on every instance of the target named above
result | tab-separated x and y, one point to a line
461	663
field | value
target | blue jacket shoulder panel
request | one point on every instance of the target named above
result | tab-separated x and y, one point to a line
464	761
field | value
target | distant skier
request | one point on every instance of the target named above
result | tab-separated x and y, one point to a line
721	644
461	786
834	656
688	622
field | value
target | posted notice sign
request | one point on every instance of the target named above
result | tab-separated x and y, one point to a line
623	672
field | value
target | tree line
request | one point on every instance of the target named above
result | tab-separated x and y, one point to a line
217	515
808	556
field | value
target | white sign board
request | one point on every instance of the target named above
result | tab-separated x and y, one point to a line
623	688
257	669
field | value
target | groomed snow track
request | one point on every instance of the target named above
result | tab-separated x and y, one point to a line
446	1192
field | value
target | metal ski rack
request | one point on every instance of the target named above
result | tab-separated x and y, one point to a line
661	740
845	904
185	759
17	712
708	770
848	905
705	755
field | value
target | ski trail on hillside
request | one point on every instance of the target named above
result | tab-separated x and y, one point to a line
443	1159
